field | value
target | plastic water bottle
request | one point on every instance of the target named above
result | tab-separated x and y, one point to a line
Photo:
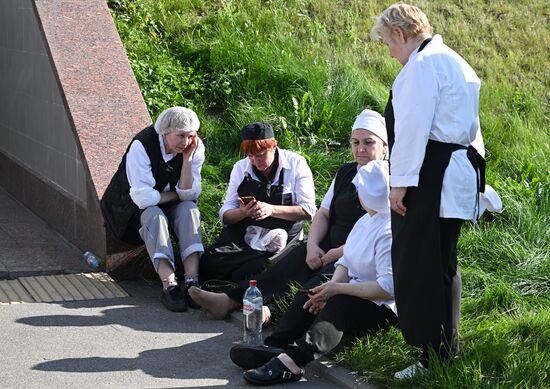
253	315
92	260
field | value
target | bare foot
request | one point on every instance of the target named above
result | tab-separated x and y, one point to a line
266	314
219	305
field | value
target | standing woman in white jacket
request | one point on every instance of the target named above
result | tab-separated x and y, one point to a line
435	174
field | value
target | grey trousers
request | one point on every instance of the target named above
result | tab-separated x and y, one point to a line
184	219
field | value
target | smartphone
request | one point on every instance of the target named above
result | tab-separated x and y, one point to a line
247	199
306	291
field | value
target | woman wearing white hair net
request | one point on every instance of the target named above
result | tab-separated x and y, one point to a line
154	192
357	300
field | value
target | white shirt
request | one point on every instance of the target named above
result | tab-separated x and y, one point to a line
436	96
141	180
327	200
298	180
367	254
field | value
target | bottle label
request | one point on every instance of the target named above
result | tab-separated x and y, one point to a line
248	307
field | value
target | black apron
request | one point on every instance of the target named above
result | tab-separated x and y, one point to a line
418	272
345	208
230	258
267	193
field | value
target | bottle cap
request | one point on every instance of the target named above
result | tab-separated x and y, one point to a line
252	282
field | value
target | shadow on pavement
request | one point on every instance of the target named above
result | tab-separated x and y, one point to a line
182	362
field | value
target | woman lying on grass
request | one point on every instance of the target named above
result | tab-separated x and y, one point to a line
358	298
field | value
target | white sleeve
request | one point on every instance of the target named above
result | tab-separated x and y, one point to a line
414	102
305	188
198	161
478	143
235	179
342	261
140	177
328	196
382	253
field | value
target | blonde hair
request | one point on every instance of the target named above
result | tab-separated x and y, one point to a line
409	18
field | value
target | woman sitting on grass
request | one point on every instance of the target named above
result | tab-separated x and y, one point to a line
358	298
272	189
339	211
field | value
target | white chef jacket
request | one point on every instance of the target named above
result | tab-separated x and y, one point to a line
298	180
436	96
367	254
141	180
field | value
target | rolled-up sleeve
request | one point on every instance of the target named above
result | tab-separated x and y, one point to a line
342	261
305	188
384	273
196	189
140	177
231	196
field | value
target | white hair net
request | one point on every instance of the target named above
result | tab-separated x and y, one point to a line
177	119
373	122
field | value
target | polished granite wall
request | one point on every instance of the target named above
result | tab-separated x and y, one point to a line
69	104
35	129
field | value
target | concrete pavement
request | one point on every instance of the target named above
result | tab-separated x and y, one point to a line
131	342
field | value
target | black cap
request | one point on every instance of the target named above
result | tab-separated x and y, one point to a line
256	131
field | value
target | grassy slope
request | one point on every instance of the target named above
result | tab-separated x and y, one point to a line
308	67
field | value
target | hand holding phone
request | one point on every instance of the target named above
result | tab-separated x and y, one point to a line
306	291
247	199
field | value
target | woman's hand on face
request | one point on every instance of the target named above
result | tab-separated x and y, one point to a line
262	210
189	151
313	257
396	200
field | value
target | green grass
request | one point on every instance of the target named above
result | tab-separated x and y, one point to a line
308	67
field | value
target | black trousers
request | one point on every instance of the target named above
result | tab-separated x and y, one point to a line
316	335
232	265
275	281
449	234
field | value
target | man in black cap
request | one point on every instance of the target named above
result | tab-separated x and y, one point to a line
270	188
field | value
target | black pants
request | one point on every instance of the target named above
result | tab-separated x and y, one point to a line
316	335
449	234
232	265
275	281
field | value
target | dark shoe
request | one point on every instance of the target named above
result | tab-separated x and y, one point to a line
190	302
252	357
272	373
173	299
